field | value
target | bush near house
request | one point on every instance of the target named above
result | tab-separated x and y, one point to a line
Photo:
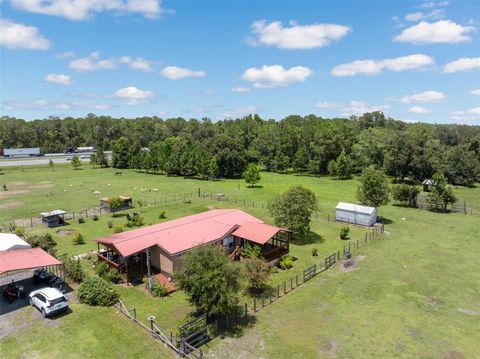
344	231
97	292
73	269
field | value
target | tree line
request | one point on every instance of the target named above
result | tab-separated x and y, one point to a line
310	144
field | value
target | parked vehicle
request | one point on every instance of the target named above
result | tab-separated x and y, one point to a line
49	301
12	292
43	276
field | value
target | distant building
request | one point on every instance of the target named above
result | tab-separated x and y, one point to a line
53	218
426	185
356	214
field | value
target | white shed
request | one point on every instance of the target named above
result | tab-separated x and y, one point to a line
356	214
9	241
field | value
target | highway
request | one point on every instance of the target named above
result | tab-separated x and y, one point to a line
31	161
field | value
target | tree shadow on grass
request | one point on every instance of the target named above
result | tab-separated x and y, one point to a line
231	326
255	186
309	238
385	220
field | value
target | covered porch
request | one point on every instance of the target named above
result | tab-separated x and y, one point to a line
274	241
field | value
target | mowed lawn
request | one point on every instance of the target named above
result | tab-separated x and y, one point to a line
415	294
85	332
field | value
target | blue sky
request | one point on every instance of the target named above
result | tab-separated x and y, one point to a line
416	61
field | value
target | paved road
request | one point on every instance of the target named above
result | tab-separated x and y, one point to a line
35	161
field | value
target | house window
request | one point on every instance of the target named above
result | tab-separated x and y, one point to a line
178	256
228	242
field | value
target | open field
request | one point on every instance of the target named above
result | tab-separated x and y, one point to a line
413	293
89	332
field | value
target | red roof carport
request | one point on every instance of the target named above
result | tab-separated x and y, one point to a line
259	233
22	259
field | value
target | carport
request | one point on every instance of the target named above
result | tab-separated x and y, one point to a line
16	268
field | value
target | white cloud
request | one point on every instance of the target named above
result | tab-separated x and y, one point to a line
426	96
133	96
60	79
328	105
475	92
442	31
359	108
419	15
275	75
296	36
66	55
137	63
240	89
239	112
44	105
375	67
92	62
85	9
18	36
25	105
419	110
470	115
463	64
178	73
431	4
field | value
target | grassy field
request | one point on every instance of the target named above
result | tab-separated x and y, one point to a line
84	332
413	294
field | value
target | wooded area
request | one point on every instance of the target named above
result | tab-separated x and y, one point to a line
307	144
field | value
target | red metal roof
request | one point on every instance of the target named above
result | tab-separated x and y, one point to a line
20	259
256	232
180	234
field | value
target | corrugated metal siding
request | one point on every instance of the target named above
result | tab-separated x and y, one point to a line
356	218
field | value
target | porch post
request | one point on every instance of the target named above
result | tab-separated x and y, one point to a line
149	270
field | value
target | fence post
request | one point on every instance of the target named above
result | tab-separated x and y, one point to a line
284	288
254	305
291	283
278	291
246	310
296	281
263	301
134	313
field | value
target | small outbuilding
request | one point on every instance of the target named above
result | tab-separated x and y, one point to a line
356	214
125	203
10	241
426	185
53	218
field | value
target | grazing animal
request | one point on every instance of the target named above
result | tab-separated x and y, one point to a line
118	173
109	185
96	193
155	190
71	185
64	190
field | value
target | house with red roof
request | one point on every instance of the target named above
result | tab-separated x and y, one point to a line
160	247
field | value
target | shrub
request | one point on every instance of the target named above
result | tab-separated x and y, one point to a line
44	241
162	215
118	228
257	273
101	269
159	290
135	221
78	239
73	269
344	232
251	250
95	217
81	220
273	270
285	263
315	252
96	291
109	224
113	275
19	231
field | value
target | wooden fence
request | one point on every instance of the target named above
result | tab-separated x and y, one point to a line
178	345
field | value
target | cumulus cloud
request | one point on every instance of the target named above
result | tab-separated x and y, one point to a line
419	15
85	9
275	75
240	89
419	110
359	108
178	73
92	62
18	36
432	4
351	108
463	64
375	67
471	115
442	31
296	36
328	105
137	63
475	92
426	96
133	96
60	79
239	112
66	55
